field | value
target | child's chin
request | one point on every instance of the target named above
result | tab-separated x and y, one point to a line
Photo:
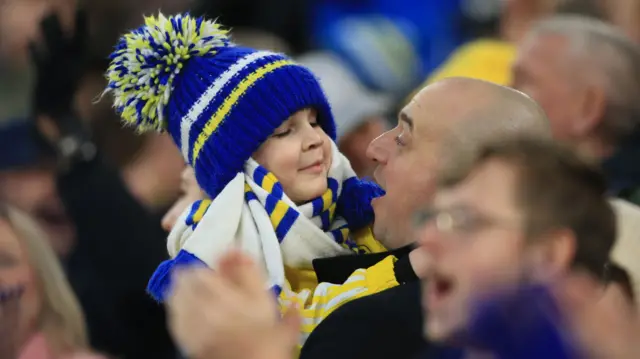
313	192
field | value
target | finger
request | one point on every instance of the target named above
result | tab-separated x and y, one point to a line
195	294
291	326
194	281
244	272
35	51
230	263
52	32
81	29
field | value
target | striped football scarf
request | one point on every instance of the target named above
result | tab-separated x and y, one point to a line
254	214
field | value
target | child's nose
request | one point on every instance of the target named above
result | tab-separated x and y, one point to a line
313	140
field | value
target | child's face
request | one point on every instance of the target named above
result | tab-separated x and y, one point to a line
299	155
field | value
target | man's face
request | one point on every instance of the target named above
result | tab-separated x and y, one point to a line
34	192
543	70
474	242
406	158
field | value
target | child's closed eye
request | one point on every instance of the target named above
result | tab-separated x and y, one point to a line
281	133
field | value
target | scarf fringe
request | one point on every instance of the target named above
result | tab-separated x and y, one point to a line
160	282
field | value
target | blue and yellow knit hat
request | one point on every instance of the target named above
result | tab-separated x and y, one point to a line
218	101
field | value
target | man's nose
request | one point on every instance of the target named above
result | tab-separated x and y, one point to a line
377	150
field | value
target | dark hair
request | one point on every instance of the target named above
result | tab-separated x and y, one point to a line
556	190
616	274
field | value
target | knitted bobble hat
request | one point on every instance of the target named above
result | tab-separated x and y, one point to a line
218	101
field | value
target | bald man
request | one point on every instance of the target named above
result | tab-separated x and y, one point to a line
455	113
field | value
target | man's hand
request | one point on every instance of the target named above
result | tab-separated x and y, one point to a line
230	314
419	259
60	62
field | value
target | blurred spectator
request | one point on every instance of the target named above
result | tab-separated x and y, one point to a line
27	180
490	57
115	243
286	19
19	21
261	40
359	113
586	75
39	315
518	211
389	44
382	51
623	13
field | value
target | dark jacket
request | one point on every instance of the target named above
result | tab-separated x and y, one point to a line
119	244
384	325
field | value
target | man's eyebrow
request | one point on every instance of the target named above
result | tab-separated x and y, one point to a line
406	119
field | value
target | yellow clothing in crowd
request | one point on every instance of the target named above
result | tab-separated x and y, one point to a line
483	59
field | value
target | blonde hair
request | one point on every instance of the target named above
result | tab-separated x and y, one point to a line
61	319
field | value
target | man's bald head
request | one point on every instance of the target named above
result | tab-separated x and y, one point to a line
455	113
478	109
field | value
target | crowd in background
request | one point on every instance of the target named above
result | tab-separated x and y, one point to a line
86	204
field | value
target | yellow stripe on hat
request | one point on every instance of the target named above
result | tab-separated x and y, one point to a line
220	114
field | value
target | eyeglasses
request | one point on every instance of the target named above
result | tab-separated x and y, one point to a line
457	220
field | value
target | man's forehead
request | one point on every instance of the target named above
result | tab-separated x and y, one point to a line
542	48
493	180
436	109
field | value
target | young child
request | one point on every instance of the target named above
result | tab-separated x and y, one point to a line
259	134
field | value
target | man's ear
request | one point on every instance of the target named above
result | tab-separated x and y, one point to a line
592	107
552	254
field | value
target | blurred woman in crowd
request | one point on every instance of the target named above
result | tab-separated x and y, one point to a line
40	318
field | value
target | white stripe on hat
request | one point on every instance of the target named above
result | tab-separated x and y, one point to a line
201	104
